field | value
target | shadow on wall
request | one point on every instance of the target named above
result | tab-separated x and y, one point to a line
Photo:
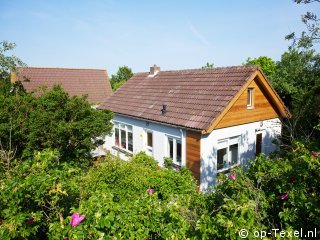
247	149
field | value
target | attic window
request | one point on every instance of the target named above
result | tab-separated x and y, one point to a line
250	98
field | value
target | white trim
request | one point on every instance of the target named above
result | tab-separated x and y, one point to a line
174	150
226	143
250	95
122	127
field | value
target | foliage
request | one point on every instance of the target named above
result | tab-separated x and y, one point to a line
167	162
208	65
36	193
119	199
53	120
308	38
267	65
296	176
122	75
7	64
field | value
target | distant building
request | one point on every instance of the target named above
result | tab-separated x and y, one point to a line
77	82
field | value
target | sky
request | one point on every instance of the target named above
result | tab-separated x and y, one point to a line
174	34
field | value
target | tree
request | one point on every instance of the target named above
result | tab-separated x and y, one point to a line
7	65
312	34
267	65
208	65
54	120
122	75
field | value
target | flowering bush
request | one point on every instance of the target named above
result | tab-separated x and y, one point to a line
44	197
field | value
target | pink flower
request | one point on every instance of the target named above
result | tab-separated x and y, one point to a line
30	221
232	176
76	219
177	169
292	179
284	196
314	154
150	190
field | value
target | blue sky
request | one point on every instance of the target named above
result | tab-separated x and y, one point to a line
172	34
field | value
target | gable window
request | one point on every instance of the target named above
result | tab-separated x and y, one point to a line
123	137
250	98
175	150
227	153
149	142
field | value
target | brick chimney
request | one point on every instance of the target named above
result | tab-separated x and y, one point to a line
154	70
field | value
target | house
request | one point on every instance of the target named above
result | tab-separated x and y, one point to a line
91	82
208	120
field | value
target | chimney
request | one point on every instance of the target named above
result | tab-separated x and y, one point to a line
164	109
154	70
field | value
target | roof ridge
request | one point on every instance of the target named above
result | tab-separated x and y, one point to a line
64	68
253	67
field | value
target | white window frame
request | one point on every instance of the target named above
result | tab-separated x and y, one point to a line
250	97
149	149
126	127
175	139
226	143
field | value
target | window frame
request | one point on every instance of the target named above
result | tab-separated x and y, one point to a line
174	150
250	98
226	143
127	128
149	149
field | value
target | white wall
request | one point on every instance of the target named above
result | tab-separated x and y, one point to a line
270	130
160	134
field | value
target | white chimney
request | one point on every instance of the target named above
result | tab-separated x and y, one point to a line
154	70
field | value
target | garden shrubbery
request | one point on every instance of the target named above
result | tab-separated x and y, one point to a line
136	199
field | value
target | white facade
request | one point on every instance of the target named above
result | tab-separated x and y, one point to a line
243	135
160	135
246	135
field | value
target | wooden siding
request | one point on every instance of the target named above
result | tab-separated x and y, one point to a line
193	153
239	113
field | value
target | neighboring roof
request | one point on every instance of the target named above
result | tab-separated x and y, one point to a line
194	98
92	82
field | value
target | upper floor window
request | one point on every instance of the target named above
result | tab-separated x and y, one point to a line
123	137
250	98
175	150
228	153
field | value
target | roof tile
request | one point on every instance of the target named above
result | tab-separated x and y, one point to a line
194	98
92	82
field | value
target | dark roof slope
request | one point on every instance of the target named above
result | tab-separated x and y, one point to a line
194	98
92	82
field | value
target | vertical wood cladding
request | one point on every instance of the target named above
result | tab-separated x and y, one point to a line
239	113
193	153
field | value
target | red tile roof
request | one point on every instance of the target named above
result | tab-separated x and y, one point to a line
92	82
194	98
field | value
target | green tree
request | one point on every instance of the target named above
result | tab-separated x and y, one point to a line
312	33
208	65
53	120
122	75
8	63
267	65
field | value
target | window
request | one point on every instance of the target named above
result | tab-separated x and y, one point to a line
175	150
123	137
258	143
149	142
250	98
228	153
